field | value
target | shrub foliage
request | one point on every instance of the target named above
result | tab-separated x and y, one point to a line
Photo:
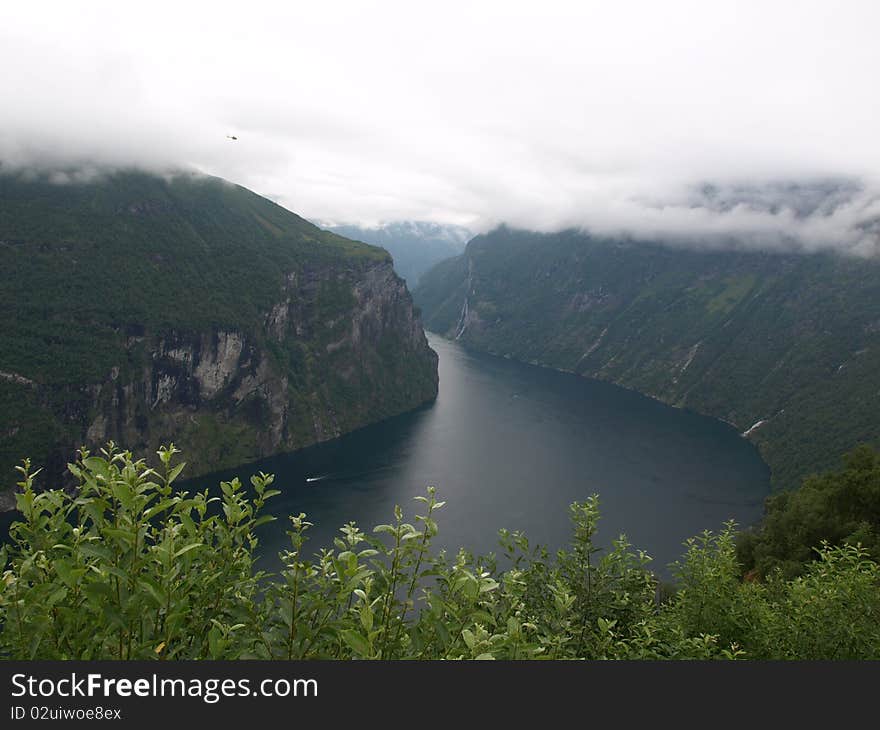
130	567
841	507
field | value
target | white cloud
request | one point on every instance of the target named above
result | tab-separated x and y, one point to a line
595	114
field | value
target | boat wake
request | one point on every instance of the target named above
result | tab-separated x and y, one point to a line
348	476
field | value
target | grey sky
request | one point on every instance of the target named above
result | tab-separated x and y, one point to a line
609	115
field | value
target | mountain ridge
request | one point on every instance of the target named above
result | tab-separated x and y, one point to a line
415	246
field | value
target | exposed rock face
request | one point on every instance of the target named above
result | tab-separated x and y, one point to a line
150	309
230	399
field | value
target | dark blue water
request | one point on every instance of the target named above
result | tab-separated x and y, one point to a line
512	445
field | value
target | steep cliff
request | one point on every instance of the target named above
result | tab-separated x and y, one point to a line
144	310
785	347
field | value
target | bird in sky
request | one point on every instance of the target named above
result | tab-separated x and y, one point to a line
229	136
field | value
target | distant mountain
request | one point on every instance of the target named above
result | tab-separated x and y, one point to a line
415	246
147	309
786	347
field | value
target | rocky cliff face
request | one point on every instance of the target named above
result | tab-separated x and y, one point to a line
249	333
231	397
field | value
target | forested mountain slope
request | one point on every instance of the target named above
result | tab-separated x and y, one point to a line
146	309
790	341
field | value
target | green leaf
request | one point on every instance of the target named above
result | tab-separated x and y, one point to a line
186	549
357	642
175	472
216	642
366	617
160	507
118	572
469	638
123	536
97	465
122	493
95	550
56	596
65	571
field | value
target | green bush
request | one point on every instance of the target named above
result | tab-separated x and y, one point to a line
128	567
839	507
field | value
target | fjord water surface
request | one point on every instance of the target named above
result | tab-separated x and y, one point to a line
512	445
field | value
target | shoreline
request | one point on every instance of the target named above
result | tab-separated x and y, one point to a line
742	434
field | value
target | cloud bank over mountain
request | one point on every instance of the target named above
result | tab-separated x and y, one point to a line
730	123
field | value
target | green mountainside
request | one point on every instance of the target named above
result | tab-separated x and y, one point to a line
792	341
144	308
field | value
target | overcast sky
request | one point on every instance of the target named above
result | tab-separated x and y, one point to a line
608	115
